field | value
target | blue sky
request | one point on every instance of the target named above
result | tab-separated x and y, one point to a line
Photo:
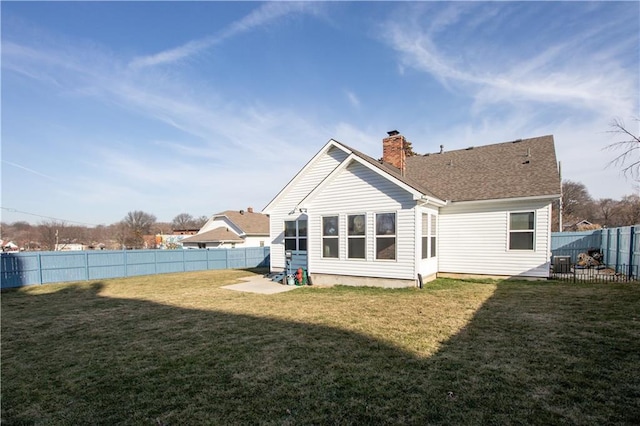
200	107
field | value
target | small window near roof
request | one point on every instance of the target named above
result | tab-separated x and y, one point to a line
521	231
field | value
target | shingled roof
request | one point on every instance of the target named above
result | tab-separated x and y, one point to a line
222	235
521	168
249	222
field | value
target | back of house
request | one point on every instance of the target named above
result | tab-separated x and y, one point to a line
403	220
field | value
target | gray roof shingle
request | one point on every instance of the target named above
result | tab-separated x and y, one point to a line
522	168
216	235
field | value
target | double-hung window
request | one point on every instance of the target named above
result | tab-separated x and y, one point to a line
330	236
386	236
356	236
428	235
434	233
521	230
295	234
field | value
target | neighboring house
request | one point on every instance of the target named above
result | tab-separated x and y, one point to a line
71	247
185	231
10	246
401	221
582	225
231	229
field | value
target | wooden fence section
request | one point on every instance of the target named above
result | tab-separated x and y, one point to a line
32	268
620	246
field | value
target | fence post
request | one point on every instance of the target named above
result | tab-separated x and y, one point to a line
124	256
631	245
607	259
618	249
86	264
39	257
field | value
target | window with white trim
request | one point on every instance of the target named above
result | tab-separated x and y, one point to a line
425	235
295	234
429	223
330	237
434	232
356	236
521	230
385	236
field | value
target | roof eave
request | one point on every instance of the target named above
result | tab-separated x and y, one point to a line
550	197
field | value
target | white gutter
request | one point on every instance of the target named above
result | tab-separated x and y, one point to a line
494	200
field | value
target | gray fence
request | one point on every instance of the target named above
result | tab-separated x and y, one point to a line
620	246
32	268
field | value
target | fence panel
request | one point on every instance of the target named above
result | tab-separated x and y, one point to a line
574	243
63	266
620	247
21	269
195	260
104	264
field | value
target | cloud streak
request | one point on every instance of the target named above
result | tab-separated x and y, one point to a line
562	73
266	14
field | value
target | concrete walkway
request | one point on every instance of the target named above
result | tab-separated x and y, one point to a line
261	285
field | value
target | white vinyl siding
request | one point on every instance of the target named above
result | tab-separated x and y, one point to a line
299	187
358	190
473	239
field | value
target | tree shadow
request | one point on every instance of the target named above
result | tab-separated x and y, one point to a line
103	360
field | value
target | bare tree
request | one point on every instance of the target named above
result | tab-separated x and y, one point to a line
577	204
182	221
629	160
138	224
628	210
51	233
200	221
606	210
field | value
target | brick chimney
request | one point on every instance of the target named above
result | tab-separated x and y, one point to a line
250	209
393	150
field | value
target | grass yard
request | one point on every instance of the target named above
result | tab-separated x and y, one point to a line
177	349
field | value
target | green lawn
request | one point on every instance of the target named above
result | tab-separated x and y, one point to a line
177	349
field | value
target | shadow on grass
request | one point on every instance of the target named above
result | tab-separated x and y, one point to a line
75	357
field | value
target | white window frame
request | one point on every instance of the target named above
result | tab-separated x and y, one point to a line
335	237
433	236
357	237
429	235
377	236
297	237
532	231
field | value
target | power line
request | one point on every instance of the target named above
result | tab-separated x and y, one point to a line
12	210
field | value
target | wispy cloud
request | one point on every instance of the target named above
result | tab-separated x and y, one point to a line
32	171
264	15
562	73
352	98
226	146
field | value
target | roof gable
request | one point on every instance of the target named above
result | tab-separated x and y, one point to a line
298	177
250	223
217	235
371	165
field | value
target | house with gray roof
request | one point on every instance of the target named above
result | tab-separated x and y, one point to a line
230	229
404	220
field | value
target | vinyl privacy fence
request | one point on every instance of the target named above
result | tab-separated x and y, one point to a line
33	268
620	247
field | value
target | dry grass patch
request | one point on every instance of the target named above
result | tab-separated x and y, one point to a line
178	349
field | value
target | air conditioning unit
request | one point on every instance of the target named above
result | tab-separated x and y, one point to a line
561	264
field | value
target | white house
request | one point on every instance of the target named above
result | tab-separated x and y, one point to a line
230	229
400	221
